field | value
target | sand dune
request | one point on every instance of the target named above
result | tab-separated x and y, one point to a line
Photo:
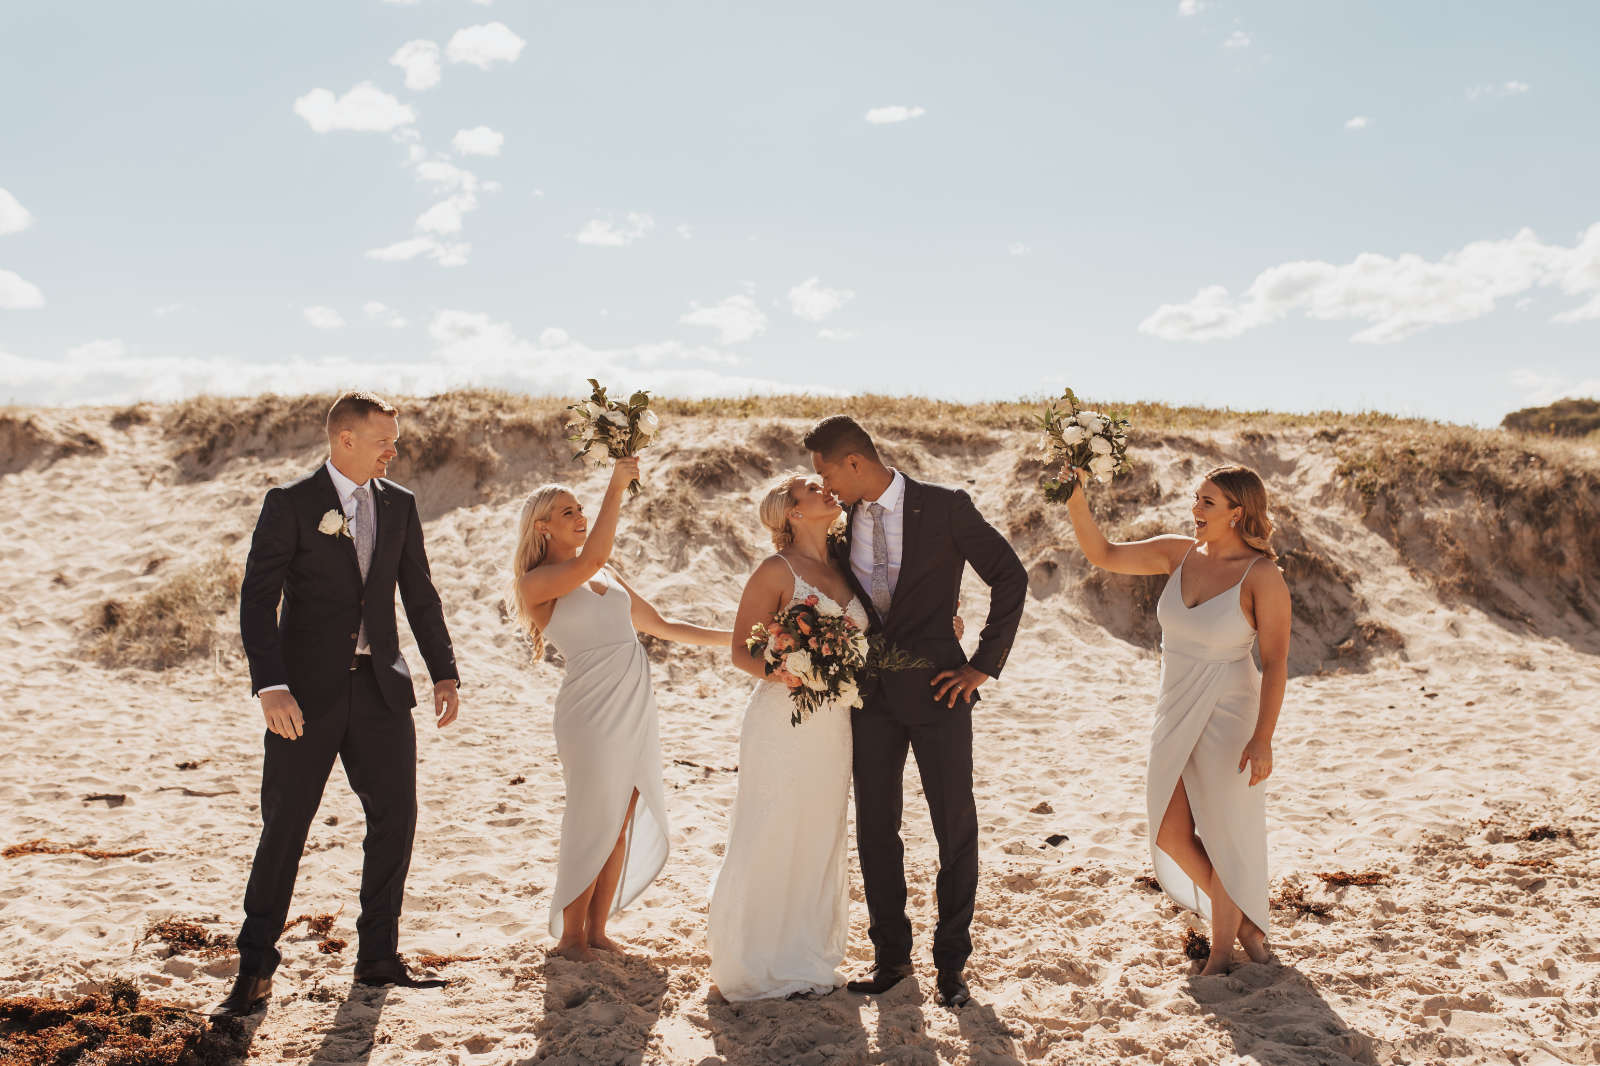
1441	715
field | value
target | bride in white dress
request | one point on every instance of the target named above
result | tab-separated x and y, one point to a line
780	904
1217	713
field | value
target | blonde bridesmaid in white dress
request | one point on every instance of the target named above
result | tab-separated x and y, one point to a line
614	832
1217	713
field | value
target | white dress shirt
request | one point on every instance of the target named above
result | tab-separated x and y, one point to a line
347	502
894	529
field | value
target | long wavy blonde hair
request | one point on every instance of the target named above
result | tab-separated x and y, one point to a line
530	552
1244	489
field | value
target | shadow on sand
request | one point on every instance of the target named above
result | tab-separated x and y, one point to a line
1276	1016
350	1036
602	1011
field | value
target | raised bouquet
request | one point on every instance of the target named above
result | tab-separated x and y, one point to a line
822	651
616	429
1088	440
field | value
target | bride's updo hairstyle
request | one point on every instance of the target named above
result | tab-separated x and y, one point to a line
776	499
1243	488
530	552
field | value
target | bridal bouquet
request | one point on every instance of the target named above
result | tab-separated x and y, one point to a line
1088	440
618	429
821	650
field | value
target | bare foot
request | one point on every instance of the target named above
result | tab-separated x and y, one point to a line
573	951
605	943
1218	962
1255	944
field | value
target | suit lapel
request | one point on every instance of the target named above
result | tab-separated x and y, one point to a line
386	523
330	500
910	537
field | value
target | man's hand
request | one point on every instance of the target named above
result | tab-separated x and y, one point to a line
282	712
446	702
963	683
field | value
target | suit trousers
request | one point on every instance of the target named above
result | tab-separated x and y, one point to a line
378	747
943	749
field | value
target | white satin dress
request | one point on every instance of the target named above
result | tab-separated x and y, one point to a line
1210	697
609	744
780	905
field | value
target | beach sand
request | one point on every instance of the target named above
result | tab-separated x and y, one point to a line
1428	751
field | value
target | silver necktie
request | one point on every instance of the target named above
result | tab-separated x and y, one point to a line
880	560
362	531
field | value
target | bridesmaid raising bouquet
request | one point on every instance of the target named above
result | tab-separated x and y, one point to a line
1216	713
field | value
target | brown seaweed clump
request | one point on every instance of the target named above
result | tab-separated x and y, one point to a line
113	1027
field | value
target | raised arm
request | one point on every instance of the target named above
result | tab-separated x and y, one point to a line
766	593
554	580
1272	608
646	619
1155	555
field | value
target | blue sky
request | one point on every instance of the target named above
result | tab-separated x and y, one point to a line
1251	204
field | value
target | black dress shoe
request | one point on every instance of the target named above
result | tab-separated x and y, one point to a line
249	994
952	990
379	973
881	980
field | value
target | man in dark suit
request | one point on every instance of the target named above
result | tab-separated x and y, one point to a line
333	547
907	545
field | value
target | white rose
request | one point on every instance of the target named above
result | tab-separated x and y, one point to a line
862	646
1089	420
1104	478
849	695
1102	466
1099	445
617	418
798	663
1073	434
332	523
649	423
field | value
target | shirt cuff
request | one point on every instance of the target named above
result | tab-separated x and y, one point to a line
272	688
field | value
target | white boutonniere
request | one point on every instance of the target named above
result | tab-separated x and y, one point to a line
334	525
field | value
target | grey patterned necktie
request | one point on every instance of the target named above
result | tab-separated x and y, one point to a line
362	530
880	560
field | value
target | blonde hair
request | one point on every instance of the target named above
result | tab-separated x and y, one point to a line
1244	489
773	510
530	552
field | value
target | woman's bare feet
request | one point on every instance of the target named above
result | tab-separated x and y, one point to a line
1254	942
1218	962
573	951
605	943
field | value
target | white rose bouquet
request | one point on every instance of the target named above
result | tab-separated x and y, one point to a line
618	429
821	651
1087	439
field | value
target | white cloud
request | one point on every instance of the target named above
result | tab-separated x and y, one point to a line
1497	89
17	294
1237	39
98	351
480	140
324	317
684	231
879	116
364	108
811	301
1191	7
381	312
446	176
14	218
444	217
403	3
445	254
1018	248
836	334
1539	388
485	45
607	233
420	61
1359	122
737	318
1398	296
169	309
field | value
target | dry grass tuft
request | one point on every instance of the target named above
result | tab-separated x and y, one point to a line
1340	878
42	846
27	439
1196	945
172	622
186	936
113	1027
1564	418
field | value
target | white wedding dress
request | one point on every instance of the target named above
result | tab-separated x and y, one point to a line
780	904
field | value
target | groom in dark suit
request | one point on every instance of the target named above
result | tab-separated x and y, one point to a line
333	547
906	546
